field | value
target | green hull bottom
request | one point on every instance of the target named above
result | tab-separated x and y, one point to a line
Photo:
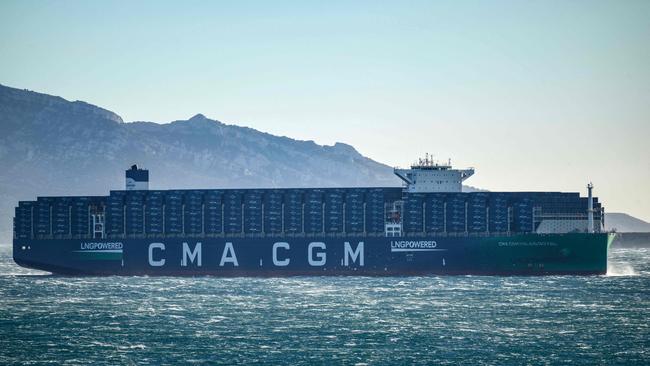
544	254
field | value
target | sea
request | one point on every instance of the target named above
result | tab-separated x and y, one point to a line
438	320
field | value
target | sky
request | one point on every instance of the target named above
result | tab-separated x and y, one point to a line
535	95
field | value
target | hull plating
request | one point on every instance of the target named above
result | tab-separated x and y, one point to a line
528	254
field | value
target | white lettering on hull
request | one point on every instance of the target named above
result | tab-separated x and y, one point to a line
191	255
154	262
349	254
415	246
101	246
283	262
321	257
228	255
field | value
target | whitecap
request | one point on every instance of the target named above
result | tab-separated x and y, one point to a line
620	269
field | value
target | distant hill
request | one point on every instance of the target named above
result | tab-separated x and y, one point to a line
51	146
625	223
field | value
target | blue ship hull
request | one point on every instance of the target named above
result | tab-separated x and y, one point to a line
526	254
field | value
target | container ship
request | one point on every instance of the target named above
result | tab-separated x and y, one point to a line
426	227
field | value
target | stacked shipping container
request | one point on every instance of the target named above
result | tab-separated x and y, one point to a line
477	212
253	215
354	211
193	212
334	211
134	205
173	219
498	213
314	209
233	213
456	213
328	211
293	211
273	210
375	211
153	213
414	213
213	212
435	213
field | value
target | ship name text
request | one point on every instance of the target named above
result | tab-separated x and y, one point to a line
280	254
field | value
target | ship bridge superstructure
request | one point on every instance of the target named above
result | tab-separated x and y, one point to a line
428	175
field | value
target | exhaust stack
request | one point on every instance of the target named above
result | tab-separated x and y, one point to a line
137	179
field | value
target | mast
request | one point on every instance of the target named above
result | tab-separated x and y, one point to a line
590	208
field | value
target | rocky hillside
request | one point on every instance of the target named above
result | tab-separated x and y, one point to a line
625	223
51	146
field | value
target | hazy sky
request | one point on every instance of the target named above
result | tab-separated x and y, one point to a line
536	95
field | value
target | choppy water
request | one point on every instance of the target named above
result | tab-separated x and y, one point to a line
311	320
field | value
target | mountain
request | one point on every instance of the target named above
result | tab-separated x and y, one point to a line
625	223
51	146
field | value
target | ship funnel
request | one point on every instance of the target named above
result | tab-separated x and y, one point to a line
137	179
590	208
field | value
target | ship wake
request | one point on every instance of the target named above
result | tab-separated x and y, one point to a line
620	269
